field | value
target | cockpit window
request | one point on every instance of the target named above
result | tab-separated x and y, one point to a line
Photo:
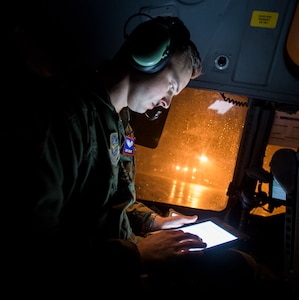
194	159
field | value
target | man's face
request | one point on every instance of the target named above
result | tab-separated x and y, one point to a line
151	90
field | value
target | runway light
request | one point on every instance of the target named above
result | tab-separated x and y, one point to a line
203	158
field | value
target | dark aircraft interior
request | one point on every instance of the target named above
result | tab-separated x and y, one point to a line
228	147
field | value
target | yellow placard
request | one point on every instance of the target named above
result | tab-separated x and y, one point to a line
265	19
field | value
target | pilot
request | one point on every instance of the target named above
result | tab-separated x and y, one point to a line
72	224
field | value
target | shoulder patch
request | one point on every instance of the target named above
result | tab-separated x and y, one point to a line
114	149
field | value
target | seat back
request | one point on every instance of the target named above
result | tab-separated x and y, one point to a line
284	167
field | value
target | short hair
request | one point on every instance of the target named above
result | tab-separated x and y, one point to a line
190	50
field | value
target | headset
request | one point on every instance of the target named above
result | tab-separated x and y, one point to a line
152	43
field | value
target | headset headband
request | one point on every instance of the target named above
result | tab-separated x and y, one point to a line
152	43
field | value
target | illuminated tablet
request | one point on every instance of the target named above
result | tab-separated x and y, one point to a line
214	234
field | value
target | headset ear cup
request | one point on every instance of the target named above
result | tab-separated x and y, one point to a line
150	46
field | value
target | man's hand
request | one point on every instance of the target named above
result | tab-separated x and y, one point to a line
173	220
166	245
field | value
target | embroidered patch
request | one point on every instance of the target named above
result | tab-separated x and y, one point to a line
129	146
114	149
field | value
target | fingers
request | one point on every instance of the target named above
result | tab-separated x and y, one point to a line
191	247
193	243
190	219
187	235
189	240
173	213
190	252
182	219
177	221
172	243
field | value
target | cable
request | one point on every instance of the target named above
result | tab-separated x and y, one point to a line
233	101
